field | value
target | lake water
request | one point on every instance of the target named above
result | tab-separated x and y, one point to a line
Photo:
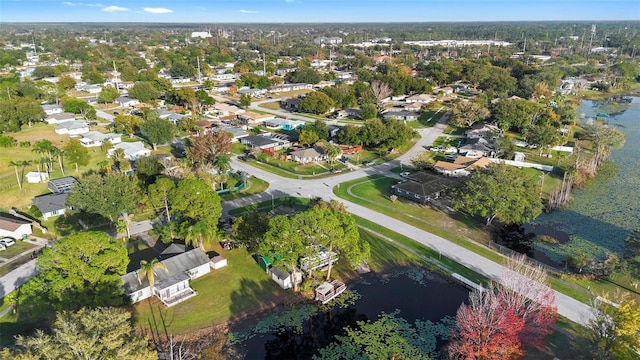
605	213
416	293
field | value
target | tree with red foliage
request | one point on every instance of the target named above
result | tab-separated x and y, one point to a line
525	289
204	149
487	329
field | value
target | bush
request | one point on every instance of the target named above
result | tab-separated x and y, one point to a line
7	141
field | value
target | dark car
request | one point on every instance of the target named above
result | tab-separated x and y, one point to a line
369	163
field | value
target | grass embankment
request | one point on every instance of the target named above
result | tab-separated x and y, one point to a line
254	186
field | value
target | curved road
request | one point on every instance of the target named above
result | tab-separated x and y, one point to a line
280	187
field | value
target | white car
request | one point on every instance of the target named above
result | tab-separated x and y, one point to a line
451	157
7	241
405	174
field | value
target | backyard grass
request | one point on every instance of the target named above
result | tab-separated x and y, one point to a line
300	203
273	105
223	295
254	186
18	248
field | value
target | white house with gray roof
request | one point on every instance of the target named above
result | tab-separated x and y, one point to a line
132	150
171	286
96	138
72	128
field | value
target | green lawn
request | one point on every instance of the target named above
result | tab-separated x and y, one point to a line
254	186
16	249
223	294
300	203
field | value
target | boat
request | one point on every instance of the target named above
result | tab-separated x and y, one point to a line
327	291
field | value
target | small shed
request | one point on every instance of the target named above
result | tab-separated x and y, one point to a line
264	262
284	278
34	177
218	262
518	156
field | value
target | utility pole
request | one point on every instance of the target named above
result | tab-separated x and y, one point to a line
199	73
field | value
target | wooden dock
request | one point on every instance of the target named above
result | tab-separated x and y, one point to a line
327	291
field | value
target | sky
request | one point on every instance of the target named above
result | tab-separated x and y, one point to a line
295	11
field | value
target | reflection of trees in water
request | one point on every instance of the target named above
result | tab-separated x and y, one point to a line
317	333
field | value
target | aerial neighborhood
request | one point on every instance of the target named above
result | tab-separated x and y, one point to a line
199	191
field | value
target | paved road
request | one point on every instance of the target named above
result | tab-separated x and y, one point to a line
104	115
20	275
280	187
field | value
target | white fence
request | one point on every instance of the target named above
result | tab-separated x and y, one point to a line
522	164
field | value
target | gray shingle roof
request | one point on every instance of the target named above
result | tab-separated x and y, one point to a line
50	202
177	267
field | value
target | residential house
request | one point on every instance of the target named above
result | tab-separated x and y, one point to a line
283	72
446	90
472	163
126	85
267	143
352	113
283	124
224	109
450	169
289	87
170	115
14	227
486	131
96	138
35	177
62	185
476	148
132	150
402	115
421	187
421	98
125	101
225	77
58	118
90	88
309	155
291	104
51	109
413	107
91	100
51	205
236	132
72	128
250	118
171	286
256	93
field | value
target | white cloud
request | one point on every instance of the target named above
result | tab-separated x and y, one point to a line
248	11
158	10
113	8
95	5
70	3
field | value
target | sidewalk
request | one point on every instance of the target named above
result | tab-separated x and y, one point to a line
24	272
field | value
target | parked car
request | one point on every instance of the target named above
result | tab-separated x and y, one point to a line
368	163
2	247
436	148
451	157
7	241
405	174
451	150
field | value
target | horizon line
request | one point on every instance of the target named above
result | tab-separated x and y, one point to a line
310	22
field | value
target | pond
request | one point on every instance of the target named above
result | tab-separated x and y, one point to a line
298	333
606	212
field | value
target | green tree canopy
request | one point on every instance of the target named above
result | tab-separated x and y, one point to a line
77	106
316	102
127	124
245	100
144	91
368	111
467	113
305	75
158	131
108	95
17	112
107	195
499	191
283	239
196	200
100	333
81	270
76	153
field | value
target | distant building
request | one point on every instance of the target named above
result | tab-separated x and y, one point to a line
327	40
200	34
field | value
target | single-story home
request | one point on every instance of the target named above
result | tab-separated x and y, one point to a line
62	185
58	118
450	169
51	109
265	143
72	128
291	104
421	187
254	119
14	227
289	87
170	115
476	148
309	155
446	90
283	124
352	113
35	177
402	115
171	286
486	131
413	107
421	98
132	150
96	138
252	92
224	109
236	132
51	205
125	101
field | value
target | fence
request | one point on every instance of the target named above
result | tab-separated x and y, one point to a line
523	164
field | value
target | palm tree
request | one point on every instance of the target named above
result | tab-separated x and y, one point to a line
222	163
148	270
117	156
59	153
122	228
198	234
46	148
15	165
